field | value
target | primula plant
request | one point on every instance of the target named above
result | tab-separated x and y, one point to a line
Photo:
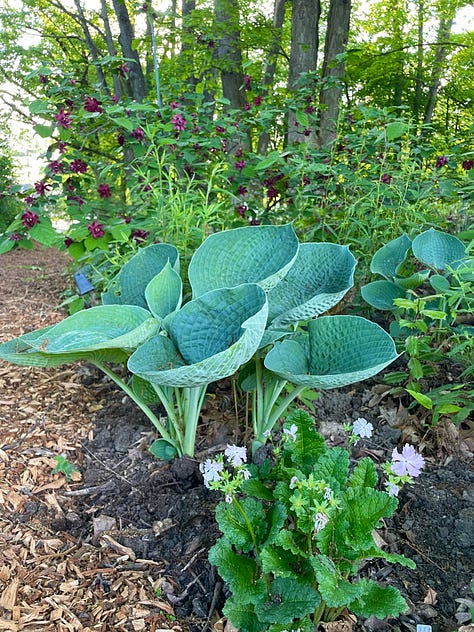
297	528
251	287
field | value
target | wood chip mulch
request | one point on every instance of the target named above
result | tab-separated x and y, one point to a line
50	580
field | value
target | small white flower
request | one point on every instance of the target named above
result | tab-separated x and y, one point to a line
320	521
210	471
392	489
328	493
236	455
246	474
228	498
293	482
362	428
290	433
267	433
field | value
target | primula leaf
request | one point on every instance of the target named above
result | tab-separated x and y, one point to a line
251	254
286	541
318	279
301	625
234	527
213	336
335	590
128	287
100	327
387	258
242	616
392	558
364	508
364	474
240	572
276	518
381	294
279	562
309	445
289	598
336	351
163	292
438	250
378	601
333	468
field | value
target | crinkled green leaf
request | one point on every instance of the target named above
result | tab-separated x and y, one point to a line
163	292
364	509
100	327
212	337
301	625
381	294
276	519
392	558
364	474
289	598
240	572
235	528
335	590
333	467
278	561
438	250
336	351
251	254
242	616
319	278
309	445
378	601
286	541
128	287
387	258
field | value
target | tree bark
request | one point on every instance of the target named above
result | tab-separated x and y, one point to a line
419	60
135	74
303	52
444	32
109	40
91	45
333	70
229	53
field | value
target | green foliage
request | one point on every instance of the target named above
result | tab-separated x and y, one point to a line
291	555
64	467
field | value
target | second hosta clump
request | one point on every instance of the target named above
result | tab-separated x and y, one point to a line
251	287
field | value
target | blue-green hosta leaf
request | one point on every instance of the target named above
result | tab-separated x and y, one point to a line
251	254
336	351
378	601
100	327
212	337
128	287
387	258
318	279
438	250
335	590
381	294
163	293
289	598
413	281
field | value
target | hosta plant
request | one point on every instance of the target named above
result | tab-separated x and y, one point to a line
250	287
298	527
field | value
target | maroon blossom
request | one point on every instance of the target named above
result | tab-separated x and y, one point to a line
95	229
56	166
239	153
241	190
272	193
179	122
44	79
115	98
41	187
240	164
306	180
104	191
70	186
91	104
146	188
247	107
29	219
309	109
139	235
174	105
220	129
254	222
78	166
307	132
68	241
467	165
123	70
120	140
15	237
247	82
138	134
126	218
241	210
258	100
385	178
75	198
30	200
63	119
62	147
441	161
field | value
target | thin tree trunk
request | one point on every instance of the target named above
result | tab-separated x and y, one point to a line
419	61
135	74
91	45
303	53
109	40
444	32
187	49
271	64
333	70
229	51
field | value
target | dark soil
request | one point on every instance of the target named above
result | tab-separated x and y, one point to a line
163	512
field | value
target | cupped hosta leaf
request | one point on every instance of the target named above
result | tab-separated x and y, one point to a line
163	292
101	327
251	254
438	250
336	351
387	258
318	279
380	294
128	287
413	281
212	336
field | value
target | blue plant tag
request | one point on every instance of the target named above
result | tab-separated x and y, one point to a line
423	628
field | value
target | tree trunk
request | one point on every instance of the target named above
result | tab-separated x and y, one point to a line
135	74
229	53
91	45
303	53
333	71
444	32
419	61
109	40
187	49
270	66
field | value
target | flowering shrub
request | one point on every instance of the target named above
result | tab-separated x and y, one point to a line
297	528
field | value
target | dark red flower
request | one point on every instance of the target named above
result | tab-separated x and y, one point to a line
386	179
272	193
62	147
242	190
247	107
139	235
179	122
42	187
78	166
240	164
241	210
63	118
306	180
44	78
441	161
15	237
309	109
29	219
127	219
75	198
104	191
30	200
467	165
174	105
120	140
70	186
68	241
91	104
95	229
138	134
56	166
257	100
247	82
